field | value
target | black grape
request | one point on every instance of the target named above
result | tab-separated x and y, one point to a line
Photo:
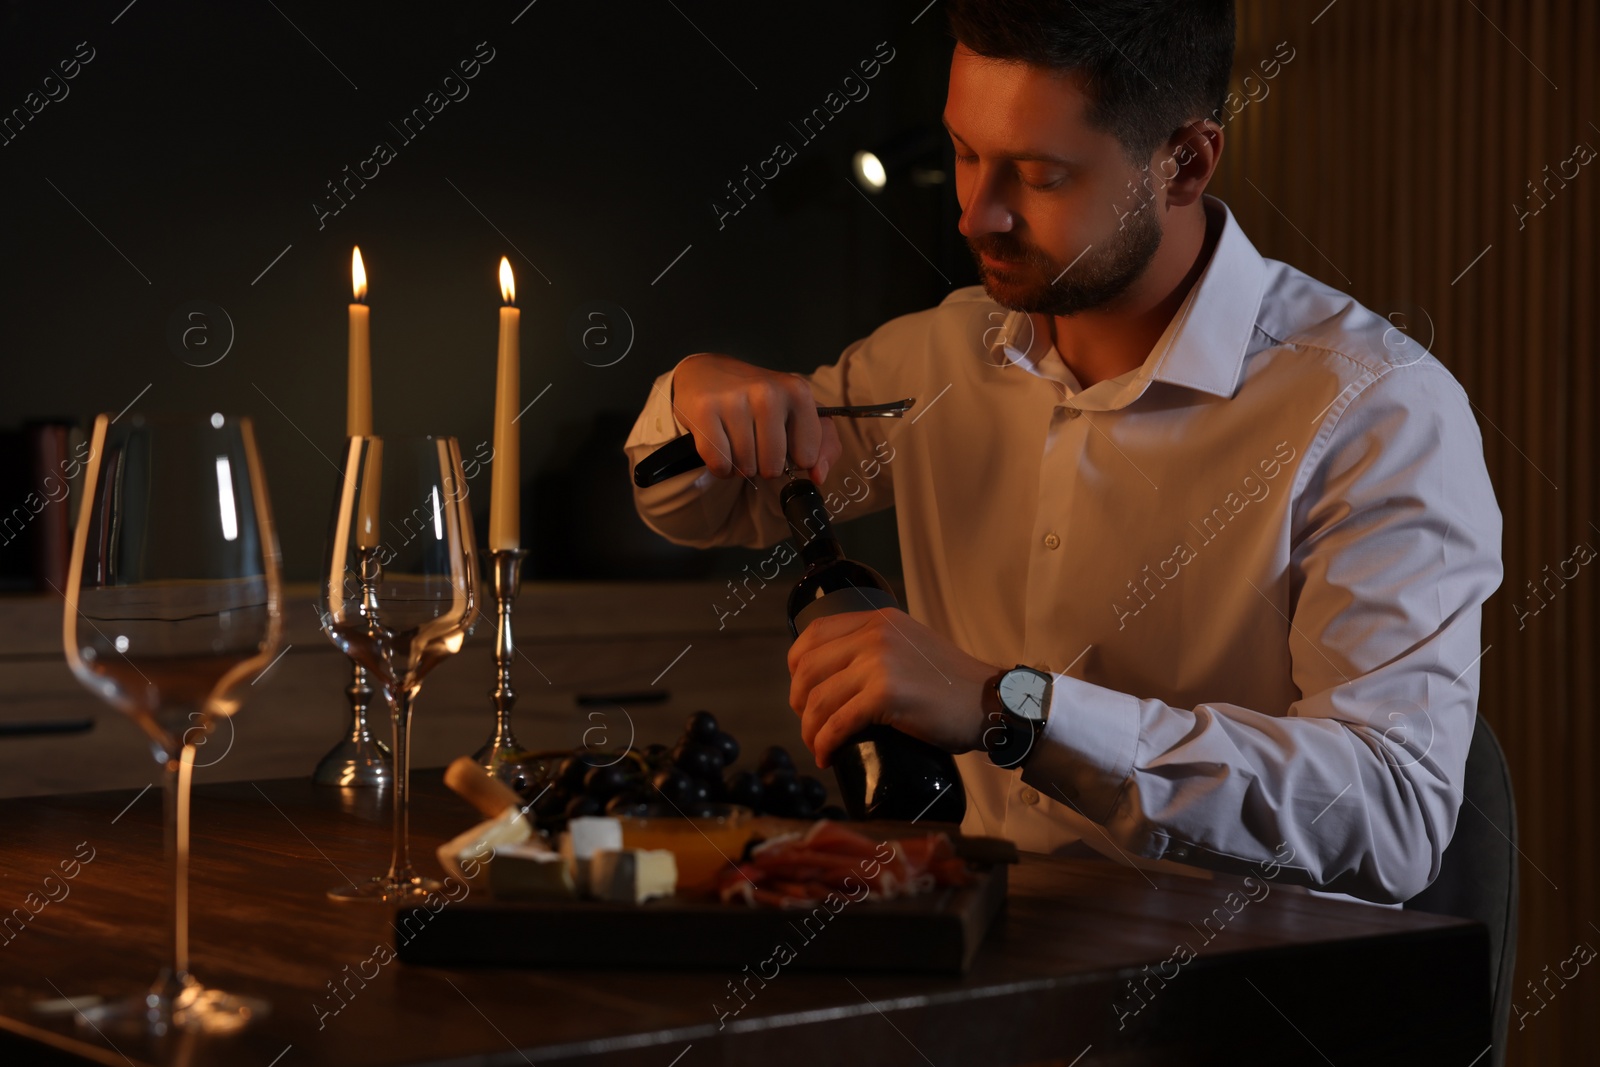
702	726
584	805
700	761
785	795
775	758
569	778
745	788
603	783
674	785
728	745
813	792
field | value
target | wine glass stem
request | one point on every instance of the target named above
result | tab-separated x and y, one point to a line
176	777
400	715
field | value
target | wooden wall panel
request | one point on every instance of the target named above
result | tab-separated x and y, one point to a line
1394	149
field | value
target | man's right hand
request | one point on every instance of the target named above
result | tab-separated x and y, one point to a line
746	419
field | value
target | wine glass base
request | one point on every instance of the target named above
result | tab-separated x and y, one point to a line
167	1007
386	890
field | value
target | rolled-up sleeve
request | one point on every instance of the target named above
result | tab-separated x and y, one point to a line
698	509
1393	548
695	508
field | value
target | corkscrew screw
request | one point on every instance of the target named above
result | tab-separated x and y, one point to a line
679	455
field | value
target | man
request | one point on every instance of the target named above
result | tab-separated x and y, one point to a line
1239	525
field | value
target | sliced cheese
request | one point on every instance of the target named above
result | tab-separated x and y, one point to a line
474	849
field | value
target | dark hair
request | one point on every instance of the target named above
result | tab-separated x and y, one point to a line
1150	66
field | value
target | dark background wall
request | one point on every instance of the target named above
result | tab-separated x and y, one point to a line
184	162
1392	158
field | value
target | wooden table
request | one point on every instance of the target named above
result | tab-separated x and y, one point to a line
1288	978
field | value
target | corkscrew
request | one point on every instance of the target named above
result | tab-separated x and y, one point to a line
679	455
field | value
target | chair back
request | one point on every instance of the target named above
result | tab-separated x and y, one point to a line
1478	872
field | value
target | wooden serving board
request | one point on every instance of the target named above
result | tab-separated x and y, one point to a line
939	931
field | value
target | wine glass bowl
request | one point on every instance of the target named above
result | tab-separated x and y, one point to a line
399	651
400	595
172	606
167	657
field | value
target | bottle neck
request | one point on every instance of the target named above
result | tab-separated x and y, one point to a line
807	515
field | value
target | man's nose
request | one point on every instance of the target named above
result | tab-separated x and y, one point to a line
985	211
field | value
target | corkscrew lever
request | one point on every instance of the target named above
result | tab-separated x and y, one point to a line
679	455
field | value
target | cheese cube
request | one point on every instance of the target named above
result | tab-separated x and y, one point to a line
522	872
584	837
633	875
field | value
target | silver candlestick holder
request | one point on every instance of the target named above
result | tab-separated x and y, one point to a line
503	756
359	759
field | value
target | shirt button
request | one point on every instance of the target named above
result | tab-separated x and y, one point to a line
1052	541
1029	795
1178	852
1070	413
658	424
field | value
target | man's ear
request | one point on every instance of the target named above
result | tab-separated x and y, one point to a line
1187	161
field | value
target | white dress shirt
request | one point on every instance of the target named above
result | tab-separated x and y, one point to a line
1255	566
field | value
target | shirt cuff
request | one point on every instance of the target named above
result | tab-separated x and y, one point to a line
657	423
1086	752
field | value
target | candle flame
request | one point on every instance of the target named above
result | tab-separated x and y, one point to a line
358	275
508	284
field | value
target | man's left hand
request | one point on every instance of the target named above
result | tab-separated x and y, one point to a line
883	667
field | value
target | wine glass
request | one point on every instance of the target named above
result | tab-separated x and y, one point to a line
400	589
172	605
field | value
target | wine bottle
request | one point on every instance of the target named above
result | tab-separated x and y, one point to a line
882	773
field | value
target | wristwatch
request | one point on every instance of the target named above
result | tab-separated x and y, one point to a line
1016	706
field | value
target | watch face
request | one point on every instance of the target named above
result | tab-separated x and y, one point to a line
1023	693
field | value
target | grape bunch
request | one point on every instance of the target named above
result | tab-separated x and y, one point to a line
776	788
689	778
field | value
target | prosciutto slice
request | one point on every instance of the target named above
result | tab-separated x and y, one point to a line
800	870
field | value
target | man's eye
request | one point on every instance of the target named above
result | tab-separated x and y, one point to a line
966	159
1043	186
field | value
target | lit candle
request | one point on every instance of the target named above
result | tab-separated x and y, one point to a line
358	395
505	513
358	403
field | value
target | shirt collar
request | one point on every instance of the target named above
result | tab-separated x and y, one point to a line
1204	345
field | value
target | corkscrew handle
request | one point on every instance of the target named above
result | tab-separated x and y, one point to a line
674	457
